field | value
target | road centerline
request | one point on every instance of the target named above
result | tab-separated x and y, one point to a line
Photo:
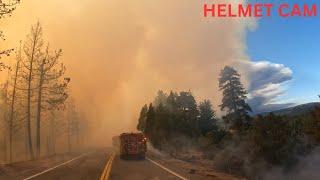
52	168
166	169
106	172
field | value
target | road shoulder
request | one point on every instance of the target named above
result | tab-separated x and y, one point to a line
190	170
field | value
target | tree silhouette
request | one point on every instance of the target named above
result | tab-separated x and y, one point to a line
13	100
150	120
161	98
33	52
51	87
189	113
6	9
142	119
233	101
206	117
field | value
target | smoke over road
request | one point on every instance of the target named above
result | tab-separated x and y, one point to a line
119	53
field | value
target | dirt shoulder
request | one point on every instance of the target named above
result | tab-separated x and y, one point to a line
192	168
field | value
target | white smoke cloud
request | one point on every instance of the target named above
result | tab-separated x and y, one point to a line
267	83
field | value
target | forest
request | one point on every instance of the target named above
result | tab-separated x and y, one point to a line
38	113
238	142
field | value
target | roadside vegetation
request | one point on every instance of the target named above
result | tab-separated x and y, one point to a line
237	142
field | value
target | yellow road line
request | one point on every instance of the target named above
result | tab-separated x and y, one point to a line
106	172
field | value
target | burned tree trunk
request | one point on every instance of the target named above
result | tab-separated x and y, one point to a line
39	101
33	53
12	104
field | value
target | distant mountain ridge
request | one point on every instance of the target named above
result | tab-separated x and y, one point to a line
296	110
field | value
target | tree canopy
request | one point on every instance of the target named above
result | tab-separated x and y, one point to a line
234	99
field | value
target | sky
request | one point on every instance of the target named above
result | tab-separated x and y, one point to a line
293	42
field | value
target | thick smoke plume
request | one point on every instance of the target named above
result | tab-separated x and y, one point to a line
119	53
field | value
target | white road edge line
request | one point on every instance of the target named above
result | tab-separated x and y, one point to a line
50	169
171	172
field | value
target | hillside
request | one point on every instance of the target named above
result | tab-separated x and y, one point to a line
296	110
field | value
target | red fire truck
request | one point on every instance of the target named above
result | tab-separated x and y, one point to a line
133	145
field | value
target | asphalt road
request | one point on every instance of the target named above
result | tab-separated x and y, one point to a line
84	167
138	170
102	165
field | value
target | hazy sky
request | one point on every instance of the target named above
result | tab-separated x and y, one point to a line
119	54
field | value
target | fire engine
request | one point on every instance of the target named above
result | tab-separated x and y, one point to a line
133	145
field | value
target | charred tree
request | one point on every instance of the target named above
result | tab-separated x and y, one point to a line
51	88
12	103
33	52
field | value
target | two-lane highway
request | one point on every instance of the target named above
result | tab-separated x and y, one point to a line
105	164
88	166
141	169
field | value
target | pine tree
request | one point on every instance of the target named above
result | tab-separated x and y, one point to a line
161	129
188	114
142	119
172	100
150	121
161	98
174	114
206	117
234	99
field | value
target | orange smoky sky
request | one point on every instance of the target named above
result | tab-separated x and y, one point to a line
120	53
